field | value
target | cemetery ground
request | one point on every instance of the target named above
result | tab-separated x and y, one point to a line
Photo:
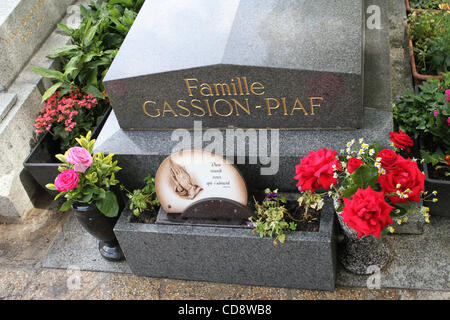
23	248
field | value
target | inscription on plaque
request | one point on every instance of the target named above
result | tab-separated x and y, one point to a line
192	175
225	99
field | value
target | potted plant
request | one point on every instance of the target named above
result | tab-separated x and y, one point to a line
426	114
429	44
425	5
373	188
143	202
436	154
86	181
94	44
64	117
275	216
414	112
85	62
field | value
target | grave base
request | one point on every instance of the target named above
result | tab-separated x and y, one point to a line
307	260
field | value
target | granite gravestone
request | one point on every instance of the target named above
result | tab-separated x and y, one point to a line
287	55
24	25
241	63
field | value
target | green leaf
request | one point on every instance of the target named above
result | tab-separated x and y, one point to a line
94	91
51	91
108	205
48	73
66	29
90	34
365	176
61	51
66	205
349	192
51	186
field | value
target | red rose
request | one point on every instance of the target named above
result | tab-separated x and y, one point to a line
367	212
401	140
316	170
388	159
66	180
404	183
353	164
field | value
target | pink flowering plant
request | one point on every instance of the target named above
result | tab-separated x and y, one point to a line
87	178
67	115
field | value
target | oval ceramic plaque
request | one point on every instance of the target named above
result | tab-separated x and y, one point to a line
191	175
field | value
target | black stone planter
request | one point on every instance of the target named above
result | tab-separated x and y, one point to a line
360	255
306	260
101	227
42	164
442	207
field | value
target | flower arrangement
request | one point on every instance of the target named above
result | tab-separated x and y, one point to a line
67	116
373	186
87	178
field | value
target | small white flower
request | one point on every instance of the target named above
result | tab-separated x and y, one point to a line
365	146
435	200
361	140
434	192
371	152
391	229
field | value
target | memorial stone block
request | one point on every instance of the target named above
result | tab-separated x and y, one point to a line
241	63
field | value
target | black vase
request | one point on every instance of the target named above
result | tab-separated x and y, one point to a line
101	227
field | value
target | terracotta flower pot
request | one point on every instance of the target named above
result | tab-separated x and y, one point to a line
101	227
418	77
360	255
409	9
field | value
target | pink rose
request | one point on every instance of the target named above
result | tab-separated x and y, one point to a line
66	180
80	158
447	93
